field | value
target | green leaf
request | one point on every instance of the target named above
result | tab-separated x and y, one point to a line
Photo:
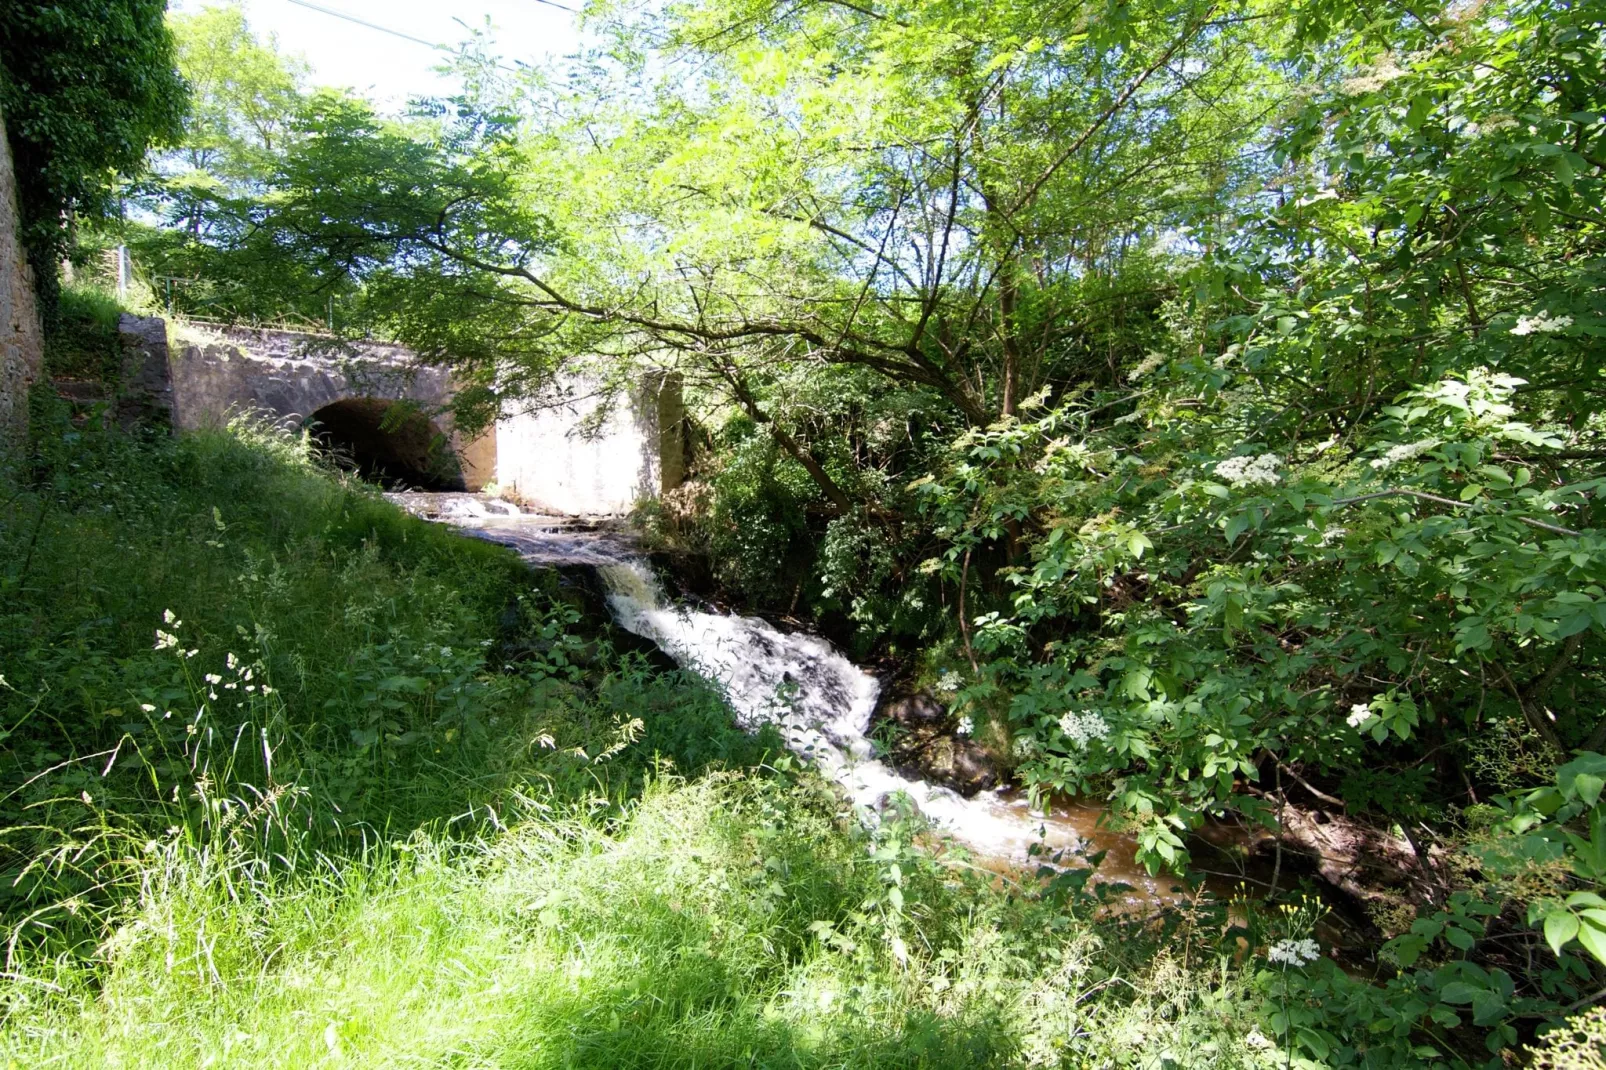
1593	939
1236	526
1459	992
1560	927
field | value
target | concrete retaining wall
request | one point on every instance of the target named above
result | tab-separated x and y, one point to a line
570	459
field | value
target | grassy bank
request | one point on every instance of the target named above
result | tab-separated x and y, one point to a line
290	778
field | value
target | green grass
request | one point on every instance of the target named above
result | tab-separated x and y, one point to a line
461	829
83	343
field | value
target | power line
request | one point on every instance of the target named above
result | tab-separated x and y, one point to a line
370	25
407	36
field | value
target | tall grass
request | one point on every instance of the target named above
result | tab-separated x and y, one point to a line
289	778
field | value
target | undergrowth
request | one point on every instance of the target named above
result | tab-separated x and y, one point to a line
290	778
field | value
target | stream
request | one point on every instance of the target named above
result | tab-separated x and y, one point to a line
818	700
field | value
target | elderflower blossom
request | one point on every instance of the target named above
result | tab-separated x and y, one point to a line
1148	364
1544	323
949	682
965	726
1374	78
1294	952
1249	471
1023	747
1405	451
1359	714
1081	728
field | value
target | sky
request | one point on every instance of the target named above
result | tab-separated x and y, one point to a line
386	68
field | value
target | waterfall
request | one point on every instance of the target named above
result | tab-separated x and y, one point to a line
819	701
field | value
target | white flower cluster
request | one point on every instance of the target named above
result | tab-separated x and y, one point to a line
1023	747
1405	451
1249	471
1294	952
1083	727
1370	81
1544	323
949	682
1359	714
1147	365
168	640
1257	1041
965	726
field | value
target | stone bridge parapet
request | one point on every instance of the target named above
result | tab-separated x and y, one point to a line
348	392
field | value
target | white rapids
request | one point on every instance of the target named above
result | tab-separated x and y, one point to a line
819	701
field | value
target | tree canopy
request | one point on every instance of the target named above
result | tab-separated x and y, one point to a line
86	86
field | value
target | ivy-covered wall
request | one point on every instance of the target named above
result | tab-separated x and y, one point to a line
20	343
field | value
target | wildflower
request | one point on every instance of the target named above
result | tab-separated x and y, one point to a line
1249	471
147	707
965	726
1257	1040
213	678
266	690
1023	747
1081	728
1294	952
446	651
231	661
165	640
246	675
250	687
1544	323
1359	714
170	618
230	686
1149	364
212	695
950	682
1403	452
1374	78
191	653
89	799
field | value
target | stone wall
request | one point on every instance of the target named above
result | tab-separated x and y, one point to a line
572	458
287	376
21	343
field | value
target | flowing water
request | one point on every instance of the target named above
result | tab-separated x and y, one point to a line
819	701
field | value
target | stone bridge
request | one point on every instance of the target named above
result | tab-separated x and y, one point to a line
386	414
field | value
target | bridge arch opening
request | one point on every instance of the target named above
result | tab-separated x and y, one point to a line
387	442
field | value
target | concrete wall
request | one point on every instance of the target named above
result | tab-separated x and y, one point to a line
569	458
21	343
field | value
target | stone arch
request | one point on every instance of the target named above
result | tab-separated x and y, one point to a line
389	442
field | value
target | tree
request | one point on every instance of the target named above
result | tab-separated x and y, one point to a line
87	86
244	97
935	193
